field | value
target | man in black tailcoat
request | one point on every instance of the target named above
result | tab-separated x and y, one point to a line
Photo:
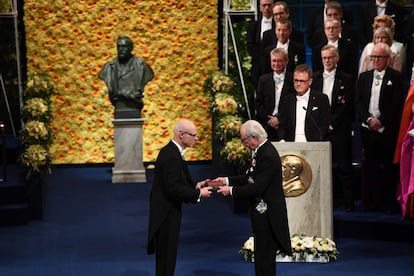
348	32
281	11
271	88
305	115
339	87
262	185
379	97
348	53
296	51
315	21
254	38
171	187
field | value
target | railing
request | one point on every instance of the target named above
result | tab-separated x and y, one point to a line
228	27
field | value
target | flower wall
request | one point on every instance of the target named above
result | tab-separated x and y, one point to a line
71	41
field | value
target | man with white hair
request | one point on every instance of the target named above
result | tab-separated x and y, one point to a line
262	185
379	98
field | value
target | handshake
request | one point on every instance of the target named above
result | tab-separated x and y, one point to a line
207	187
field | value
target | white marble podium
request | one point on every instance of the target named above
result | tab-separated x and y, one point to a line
311	213
129	166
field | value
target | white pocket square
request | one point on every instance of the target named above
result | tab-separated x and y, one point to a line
314	108
389	82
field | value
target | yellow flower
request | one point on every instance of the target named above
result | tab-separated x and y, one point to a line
80	47
235	152
222	83
36	156
36	129
228	126
225	104
36	107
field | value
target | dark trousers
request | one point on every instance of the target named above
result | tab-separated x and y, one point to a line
342	165
265	245
381	175
167	244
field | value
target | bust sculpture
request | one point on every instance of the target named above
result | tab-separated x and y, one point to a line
125	77
295	175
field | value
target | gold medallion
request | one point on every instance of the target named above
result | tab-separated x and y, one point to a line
297	175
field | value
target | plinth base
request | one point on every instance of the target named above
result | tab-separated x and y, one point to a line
138	176
128	151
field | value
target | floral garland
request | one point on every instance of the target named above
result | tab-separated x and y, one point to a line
302	246
36	135
4	6
226	110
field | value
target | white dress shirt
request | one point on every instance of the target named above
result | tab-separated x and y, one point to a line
283	46
301	107
279	80
266	24
373	108
381	7
333	43
328	83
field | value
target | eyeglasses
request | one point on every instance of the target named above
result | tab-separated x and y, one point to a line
188	133
300	81
378	57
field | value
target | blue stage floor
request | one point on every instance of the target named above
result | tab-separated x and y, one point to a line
94	227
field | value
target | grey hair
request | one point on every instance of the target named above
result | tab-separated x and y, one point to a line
385	47
254	128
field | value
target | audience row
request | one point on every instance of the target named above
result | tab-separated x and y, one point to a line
321	102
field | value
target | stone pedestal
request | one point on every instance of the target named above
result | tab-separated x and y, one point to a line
129	166
311	213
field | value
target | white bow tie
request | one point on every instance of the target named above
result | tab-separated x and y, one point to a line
278	78
328	75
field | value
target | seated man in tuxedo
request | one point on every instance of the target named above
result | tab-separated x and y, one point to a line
304	115
271	88
339	88
296	51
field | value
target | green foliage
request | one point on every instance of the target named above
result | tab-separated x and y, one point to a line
36	134
4	6
240	25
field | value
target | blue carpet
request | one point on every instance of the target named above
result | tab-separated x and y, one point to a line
94	227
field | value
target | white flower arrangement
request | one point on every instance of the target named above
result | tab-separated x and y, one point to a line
304	248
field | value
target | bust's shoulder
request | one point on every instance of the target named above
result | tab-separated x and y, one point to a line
137	60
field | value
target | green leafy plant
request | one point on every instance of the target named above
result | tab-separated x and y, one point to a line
36	134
